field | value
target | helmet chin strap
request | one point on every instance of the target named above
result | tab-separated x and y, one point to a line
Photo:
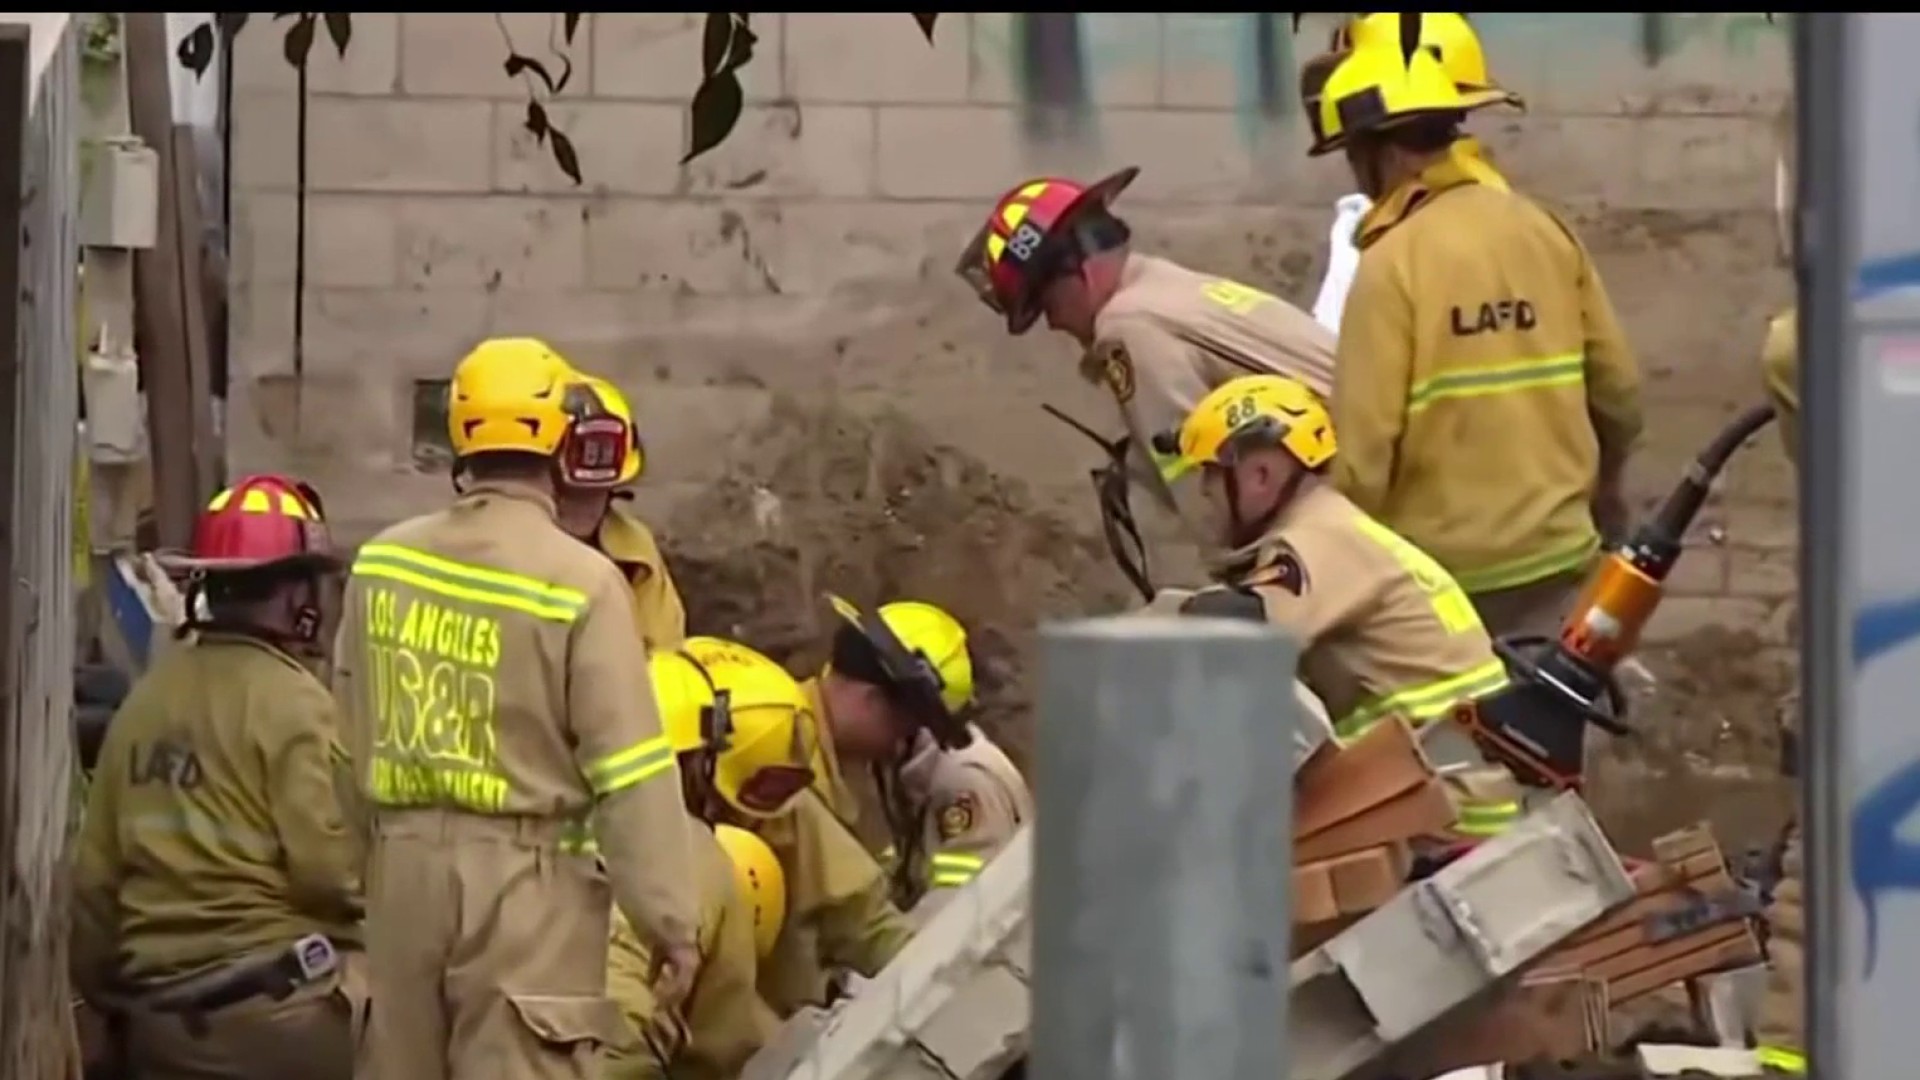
1246	531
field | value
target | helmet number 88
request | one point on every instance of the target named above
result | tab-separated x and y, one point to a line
1024	241
1242	411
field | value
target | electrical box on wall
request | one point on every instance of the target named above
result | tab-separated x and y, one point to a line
120	206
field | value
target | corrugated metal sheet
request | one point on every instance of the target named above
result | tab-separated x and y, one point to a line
37	748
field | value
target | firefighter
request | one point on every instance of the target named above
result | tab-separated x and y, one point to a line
591	512
1486	400
1451	40
1156	334
894	697
217	897
723	1022
839	916
1782	1031
1383	630
509	748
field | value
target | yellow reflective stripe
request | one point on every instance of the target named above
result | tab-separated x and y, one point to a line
577	839
1566	369
474	584
952	869
1530	568
624	768
1427	701
1486	818
1782	1058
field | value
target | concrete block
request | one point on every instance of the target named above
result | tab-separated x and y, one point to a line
828	246
1450	938
943	152
595	328
371	66
655	56
1664	162
983	1029
489	241
690	247
877	58
351	240
783	151
265	150
625	148
463	54
1195	156
1202	67
387	145
383	333
994	59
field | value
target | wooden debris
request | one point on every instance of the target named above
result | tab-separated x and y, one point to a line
1357	809
1690	918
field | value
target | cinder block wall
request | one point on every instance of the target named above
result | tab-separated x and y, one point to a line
809	258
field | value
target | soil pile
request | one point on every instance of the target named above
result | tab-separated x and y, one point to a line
874	509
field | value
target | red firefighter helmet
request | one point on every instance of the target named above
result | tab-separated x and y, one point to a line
1028	239
262	522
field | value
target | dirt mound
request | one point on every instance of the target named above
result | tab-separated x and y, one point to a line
875	509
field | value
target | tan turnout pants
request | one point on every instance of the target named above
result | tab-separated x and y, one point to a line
315	1034
488	949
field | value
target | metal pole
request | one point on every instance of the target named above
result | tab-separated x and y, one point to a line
1823	267
1163	850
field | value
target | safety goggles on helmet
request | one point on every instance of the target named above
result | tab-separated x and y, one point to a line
1029	240
912	679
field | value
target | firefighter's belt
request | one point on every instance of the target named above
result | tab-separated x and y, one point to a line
274	975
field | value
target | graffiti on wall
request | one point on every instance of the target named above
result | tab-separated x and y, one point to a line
1062	61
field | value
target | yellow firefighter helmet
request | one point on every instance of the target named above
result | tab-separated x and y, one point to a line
760	881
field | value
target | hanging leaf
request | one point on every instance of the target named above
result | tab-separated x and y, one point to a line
517	64
715	111
714	40
564	156
230	23
196	50
536	121
926	19
340	29
569	24
1409	35
566	74
740	46
300	41
1296	21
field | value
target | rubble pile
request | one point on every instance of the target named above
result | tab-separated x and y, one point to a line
1521	952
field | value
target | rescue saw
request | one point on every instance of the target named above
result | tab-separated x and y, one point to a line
1559	686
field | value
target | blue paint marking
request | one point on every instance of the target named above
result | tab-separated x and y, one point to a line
1882	862
1890	273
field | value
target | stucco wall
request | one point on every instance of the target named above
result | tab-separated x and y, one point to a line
809	258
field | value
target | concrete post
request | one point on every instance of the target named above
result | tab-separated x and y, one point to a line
1163	848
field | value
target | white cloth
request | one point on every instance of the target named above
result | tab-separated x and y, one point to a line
1343	258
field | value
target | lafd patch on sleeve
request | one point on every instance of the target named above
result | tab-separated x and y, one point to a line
1282	571
956	818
